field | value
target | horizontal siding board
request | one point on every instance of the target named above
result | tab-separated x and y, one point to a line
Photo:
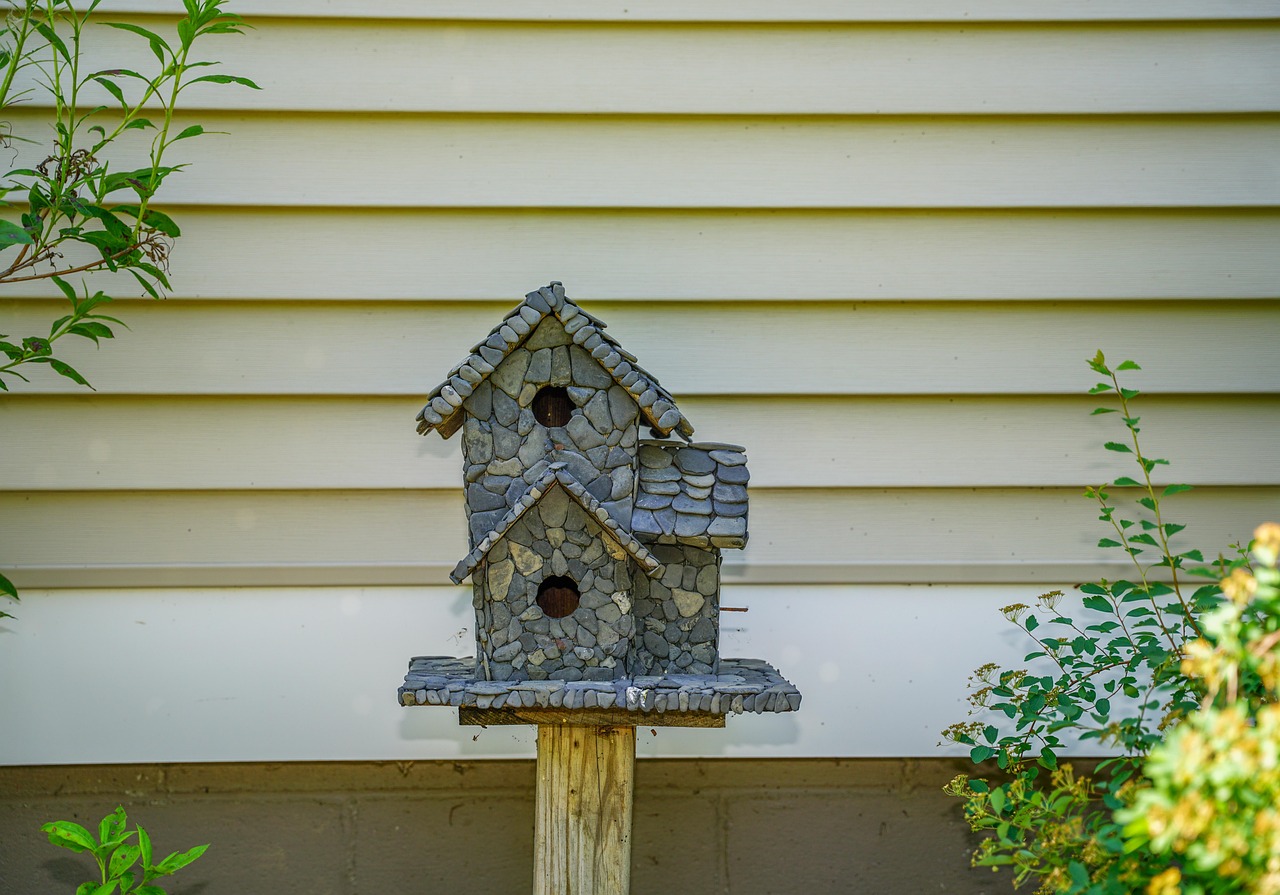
90	443
453	161
768	348
752	255
746	10
986	531
281	674
627	67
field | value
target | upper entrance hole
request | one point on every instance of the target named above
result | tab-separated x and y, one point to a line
552	405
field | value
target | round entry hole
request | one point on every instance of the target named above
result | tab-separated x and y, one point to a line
558	596
552	406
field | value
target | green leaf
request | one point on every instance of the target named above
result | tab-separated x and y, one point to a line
1176	489
114	89
194	130
158	45
112	825
148	890
1099	364
92	330
69	835
1118	447
54	40
1125	482
1098	410
11	234
177	861
997	801
124	857
7	588
66	288
144	848
1107	542
66	370
979	754
1128	365
224	79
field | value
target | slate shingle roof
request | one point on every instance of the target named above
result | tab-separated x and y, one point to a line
691	494
443	411
558	475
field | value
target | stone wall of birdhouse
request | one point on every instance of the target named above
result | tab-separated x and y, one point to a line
505	449
515	638
677	614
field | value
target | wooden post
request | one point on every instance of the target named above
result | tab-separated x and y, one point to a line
586	786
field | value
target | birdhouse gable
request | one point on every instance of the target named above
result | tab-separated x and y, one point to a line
557	476
546	341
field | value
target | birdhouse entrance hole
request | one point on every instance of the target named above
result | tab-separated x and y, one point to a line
558	596
552	406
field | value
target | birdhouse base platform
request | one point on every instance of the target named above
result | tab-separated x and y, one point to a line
670	700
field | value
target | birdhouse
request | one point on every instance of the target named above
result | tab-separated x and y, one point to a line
595	553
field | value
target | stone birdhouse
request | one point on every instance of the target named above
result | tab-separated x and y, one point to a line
595	553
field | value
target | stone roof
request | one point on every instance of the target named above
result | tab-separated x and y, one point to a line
558	475
443	411
691	494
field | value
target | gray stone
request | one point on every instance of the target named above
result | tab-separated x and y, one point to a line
600	487
683	503
618	457
724	508
582	433
527	561
622	482
734	475
527	393
666	520
703	631
690	526
501	614
688	603
693	461
560	367
621	406
656	644
647	397
491	355
708	581
505	444
477	443
667	489
644	520
469	374
479	498
505	409
461	387
670	419
730	493
654	458
531	451
597	411
526	423
649	501
728	458
580	396
535	472
508	652
586	370
498	484
592	340
442	407
548	334
728	526
597	455
539	371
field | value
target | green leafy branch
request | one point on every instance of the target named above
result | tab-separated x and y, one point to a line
124	856
74	197
1114	679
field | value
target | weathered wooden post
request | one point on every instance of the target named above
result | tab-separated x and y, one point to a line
595	568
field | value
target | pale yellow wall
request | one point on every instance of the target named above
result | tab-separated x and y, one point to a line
874	251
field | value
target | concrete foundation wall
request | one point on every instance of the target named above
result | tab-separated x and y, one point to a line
725	826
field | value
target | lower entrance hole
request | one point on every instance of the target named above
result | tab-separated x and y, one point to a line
558	596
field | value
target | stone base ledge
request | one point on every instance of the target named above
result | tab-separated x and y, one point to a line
743	685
